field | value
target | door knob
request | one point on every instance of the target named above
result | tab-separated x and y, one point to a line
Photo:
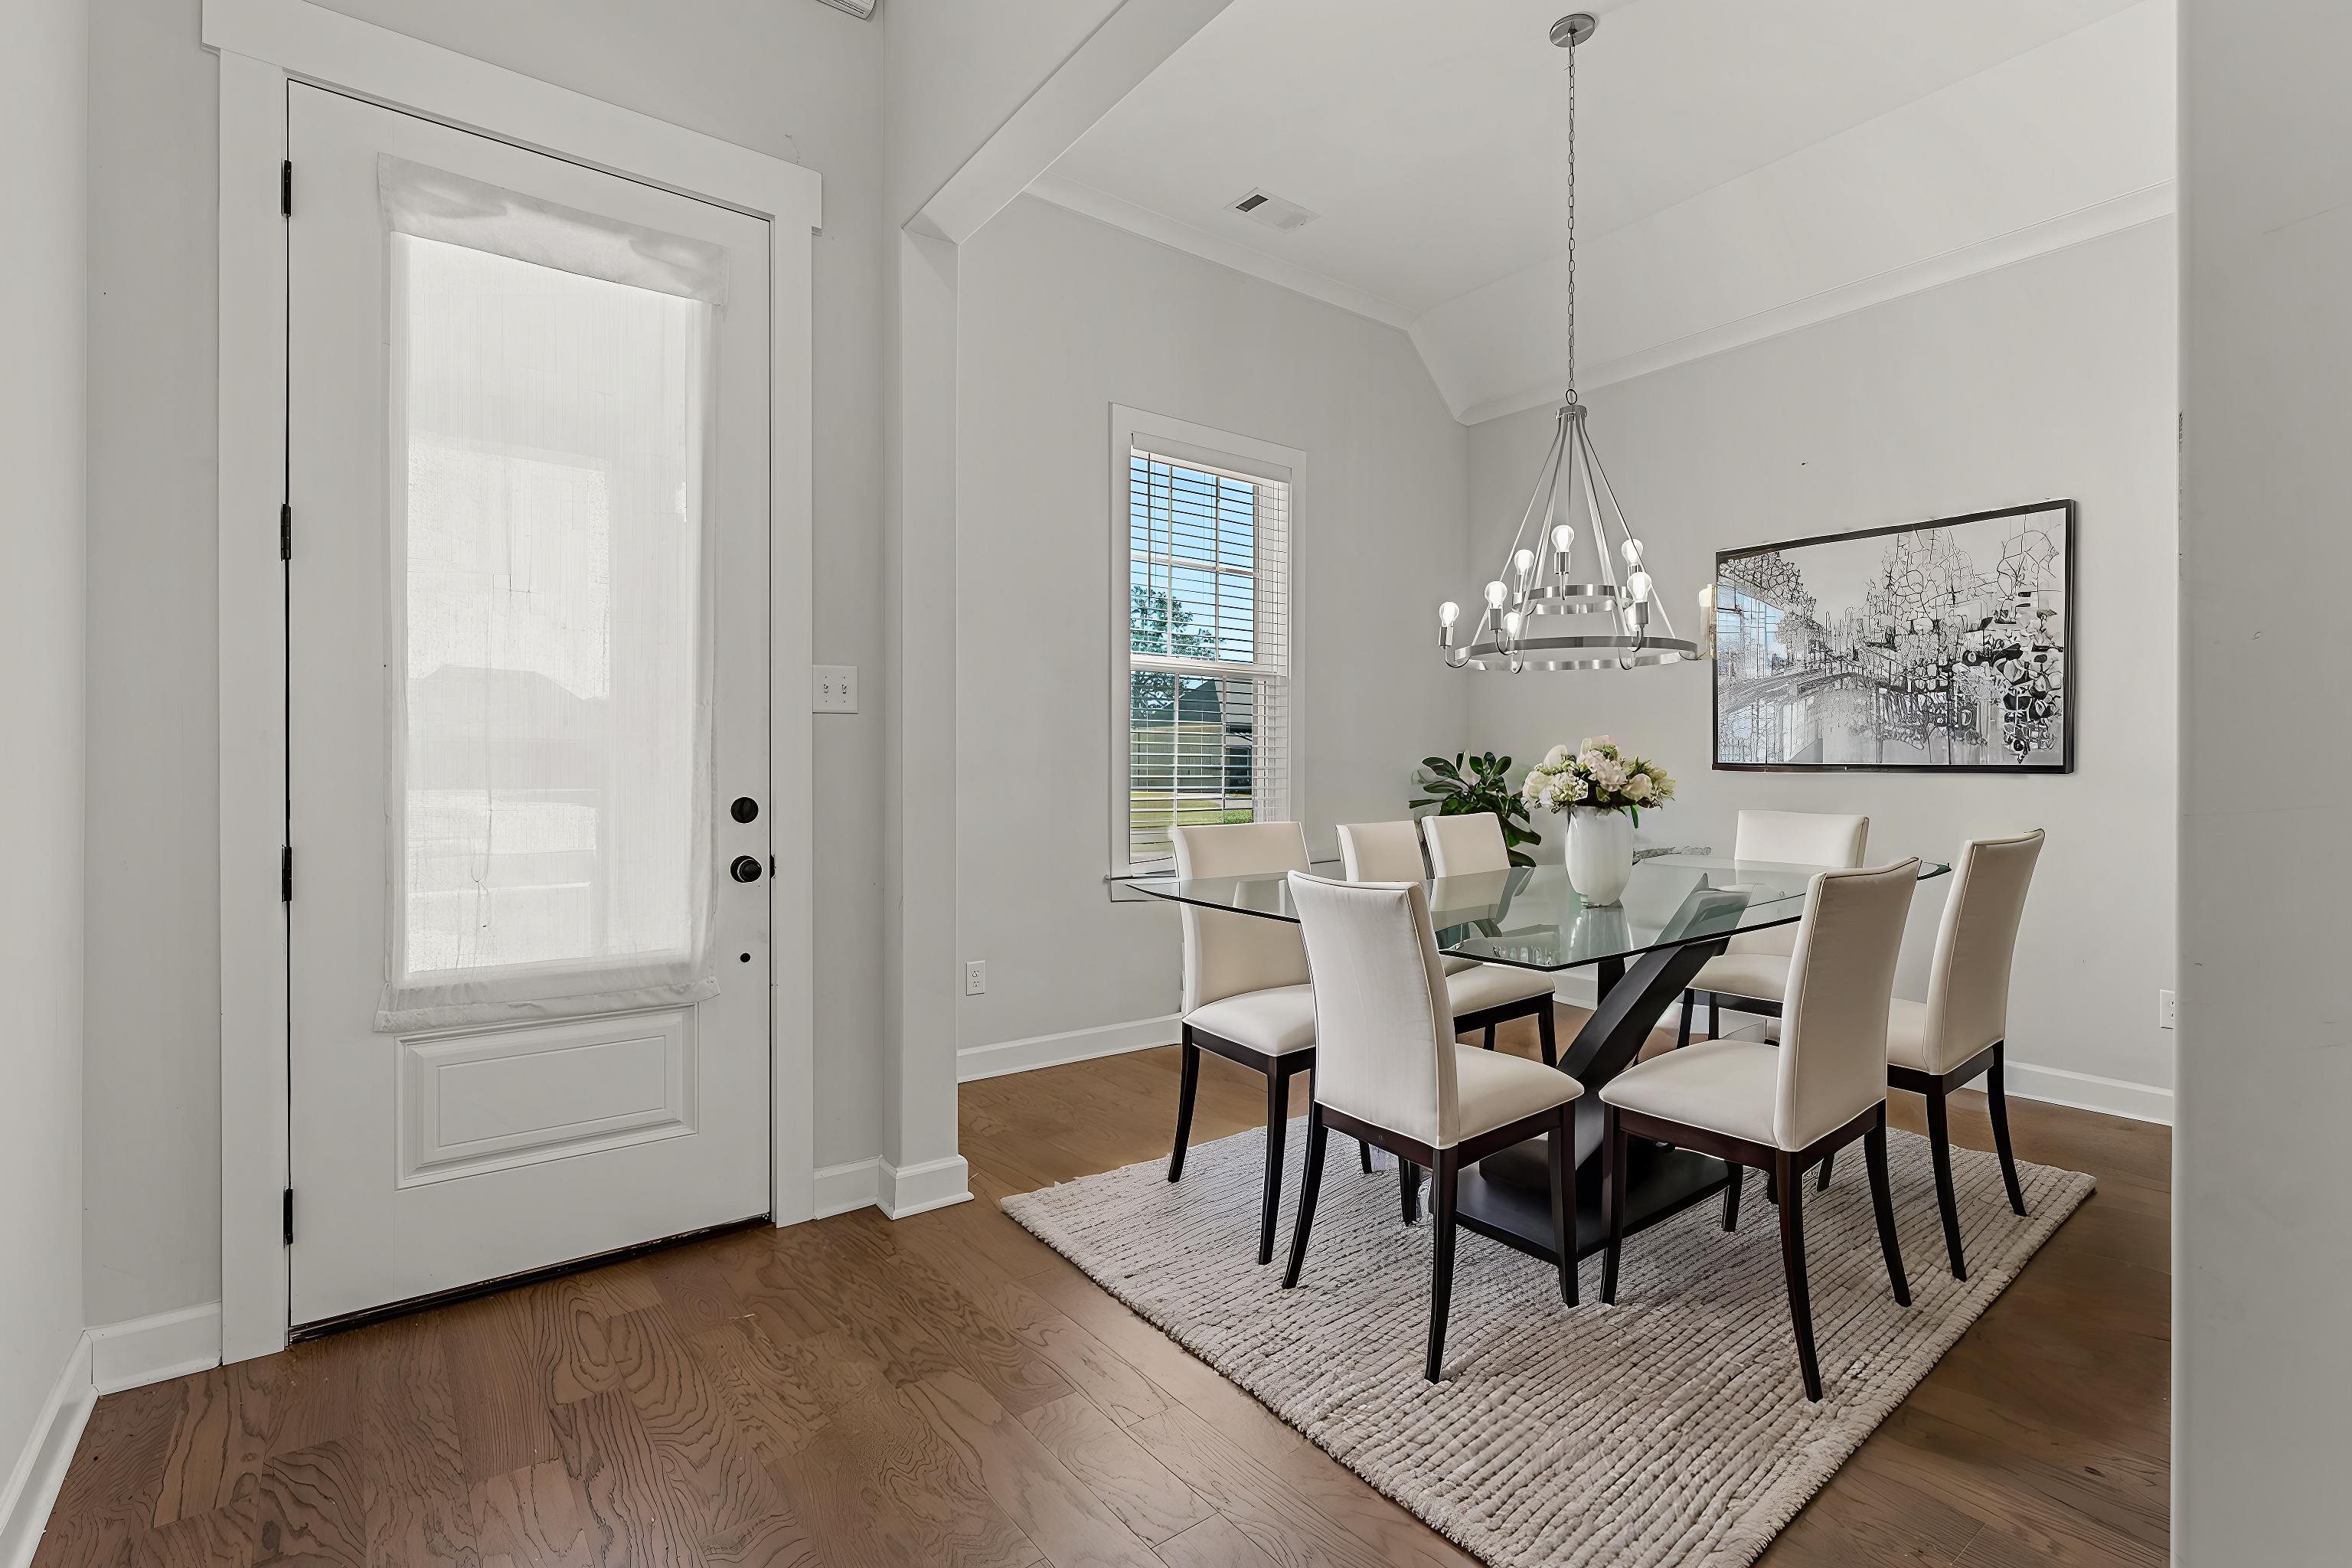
745	809
744	870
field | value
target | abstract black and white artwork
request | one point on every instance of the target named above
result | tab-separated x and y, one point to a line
1931	647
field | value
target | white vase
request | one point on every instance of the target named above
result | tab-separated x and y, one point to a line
1599	853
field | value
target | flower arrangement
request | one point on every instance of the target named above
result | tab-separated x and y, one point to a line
1598	775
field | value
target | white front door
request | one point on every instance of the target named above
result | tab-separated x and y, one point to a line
527	710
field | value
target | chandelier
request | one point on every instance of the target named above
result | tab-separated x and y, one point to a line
1605	615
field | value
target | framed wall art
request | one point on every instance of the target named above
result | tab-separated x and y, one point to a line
1937	646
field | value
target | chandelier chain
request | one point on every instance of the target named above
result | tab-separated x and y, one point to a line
1571	224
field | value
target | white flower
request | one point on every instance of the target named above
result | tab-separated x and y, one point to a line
1590	760
1610	775
1556	757
1638	787
1580	791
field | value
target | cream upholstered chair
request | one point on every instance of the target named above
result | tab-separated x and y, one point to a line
1389	1073
1960	1031
1752	972
1245	993
1482	995
1464	846
1784	1109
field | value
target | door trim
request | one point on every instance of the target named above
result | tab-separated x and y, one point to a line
264	46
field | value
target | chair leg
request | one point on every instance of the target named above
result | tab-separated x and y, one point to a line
1682	1023
1731	1200
1409	1188
1997	1096
1792	1261
1188	1085
1939	1145
1363	1151
1309	1186
1881	1198
1560	1153
1612	1200
1441	1264
1714	1016
1277	1123
1547	1039
1490	1037
1821	1183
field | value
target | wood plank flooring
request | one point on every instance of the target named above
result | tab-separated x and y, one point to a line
945	1390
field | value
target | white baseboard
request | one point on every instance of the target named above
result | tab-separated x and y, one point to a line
916	1189
2089	1091
31	1488
841	1188
1070	1046
877	1183
149	1350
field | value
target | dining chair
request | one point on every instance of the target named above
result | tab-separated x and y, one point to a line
1752	975
1959	1032
1390	1072
1245	993
1482	995
1783	1109
1466	845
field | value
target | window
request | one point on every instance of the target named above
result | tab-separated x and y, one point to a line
1202	679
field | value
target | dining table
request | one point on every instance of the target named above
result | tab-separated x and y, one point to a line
1678	911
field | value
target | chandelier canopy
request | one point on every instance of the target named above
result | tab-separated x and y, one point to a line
1606	614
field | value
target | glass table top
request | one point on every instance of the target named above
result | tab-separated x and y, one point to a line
1530	918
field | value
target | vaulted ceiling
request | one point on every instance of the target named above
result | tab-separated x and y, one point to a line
1735	159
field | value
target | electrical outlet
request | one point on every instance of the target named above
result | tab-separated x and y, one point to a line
2166	1010
975	977
837	688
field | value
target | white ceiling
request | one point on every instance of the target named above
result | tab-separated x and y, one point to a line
1427	134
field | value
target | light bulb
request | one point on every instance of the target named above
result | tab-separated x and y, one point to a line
1448	613
1640	584
1631	549
1495	594
1525	560
1707	597
1562	536
1512	622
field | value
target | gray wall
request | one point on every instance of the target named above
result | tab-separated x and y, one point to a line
2263	1214
42	187
785	77
1060	318
2052	377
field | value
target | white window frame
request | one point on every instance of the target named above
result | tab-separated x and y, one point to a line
1165	435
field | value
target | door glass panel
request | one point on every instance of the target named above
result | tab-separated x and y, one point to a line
549	616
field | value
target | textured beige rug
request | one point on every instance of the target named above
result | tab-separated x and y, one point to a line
1668	1429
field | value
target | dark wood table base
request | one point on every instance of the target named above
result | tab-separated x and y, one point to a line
1508	1195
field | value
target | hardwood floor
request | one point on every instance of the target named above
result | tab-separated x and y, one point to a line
946	1390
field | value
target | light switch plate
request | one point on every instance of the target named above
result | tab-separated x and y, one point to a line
975	977
837	688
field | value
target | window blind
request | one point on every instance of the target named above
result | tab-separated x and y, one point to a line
1207	665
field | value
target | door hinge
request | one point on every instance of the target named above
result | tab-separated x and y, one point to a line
289	1216
285	188
286	874
772	867
286	530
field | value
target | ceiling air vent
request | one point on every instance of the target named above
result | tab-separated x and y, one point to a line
860	8
1260	207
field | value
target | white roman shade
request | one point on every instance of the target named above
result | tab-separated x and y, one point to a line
549	648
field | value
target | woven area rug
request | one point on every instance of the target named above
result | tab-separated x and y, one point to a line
1669	1429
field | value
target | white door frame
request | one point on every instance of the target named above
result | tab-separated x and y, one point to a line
264	45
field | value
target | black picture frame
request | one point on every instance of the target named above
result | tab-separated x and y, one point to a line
2069	648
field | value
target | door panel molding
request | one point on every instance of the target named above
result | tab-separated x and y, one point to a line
477	1100
263	46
